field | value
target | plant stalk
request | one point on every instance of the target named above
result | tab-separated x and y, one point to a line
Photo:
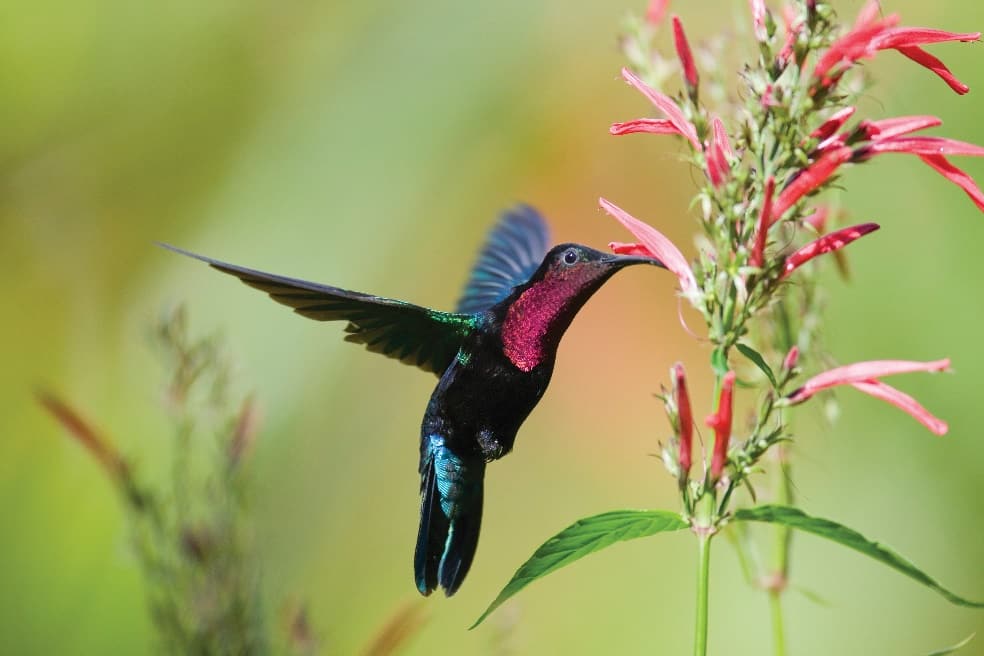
704	529
778	632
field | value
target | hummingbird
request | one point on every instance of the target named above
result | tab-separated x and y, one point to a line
494	356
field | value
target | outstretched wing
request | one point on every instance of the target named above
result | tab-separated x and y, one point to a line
512	253
409	333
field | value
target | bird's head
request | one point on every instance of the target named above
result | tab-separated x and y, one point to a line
578	267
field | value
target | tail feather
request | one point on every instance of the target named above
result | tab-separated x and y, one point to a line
450	518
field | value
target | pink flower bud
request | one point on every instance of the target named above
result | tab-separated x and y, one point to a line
686	57
789	362
686	420
721	423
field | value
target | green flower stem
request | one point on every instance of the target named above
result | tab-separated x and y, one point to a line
703	578
778	633
704	529
781	566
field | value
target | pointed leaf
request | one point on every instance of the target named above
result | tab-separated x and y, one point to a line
796	518
758	361
949	650
583	537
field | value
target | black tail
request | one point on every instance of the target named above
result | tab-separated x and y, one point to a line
450	519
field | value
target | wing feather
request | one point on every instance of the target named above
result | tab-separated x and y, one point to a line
409	333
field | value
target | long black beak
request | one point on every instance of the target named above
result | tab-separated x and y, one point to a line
620	261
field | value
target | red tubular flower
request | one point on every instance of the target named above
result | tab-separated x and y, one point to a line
919	146
757	258
809	179
863	376
871	35
686	420
666	105
932	151
657	245
721	423
829	127
656	11
889	128
902	37
686	57
855	45
647	125
719	154
827	243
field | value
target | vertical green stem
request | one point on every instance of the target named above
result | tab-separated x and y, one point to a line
703	580
778	633
784	495
703	527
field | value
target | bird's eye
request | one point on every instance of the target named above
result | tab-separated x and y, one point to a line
570	256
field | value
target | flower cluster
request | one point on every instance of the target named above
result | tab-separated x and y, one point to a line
797	130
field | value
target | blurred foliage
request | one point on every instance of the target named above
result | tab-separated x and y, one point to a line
370	145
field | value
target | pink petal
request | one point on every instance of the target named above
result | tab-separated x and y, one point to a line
958	177
860	372
923	146
904	402
889	128
659	246
656	11
647	125
900	37
666	105
827	243
923	58
685	55
757	258
833	124
809	179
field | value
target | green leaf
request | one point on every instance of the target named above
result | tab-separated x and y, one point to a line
796	518
583	537
758	361
949	650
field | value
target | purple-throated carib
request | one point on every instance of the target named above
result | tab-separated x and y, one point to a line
494	356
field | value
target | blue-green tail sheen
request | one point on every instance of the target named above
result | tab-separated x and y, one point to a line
451	489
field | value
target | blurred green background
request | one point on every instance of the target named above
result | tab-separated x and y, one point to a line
370	145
